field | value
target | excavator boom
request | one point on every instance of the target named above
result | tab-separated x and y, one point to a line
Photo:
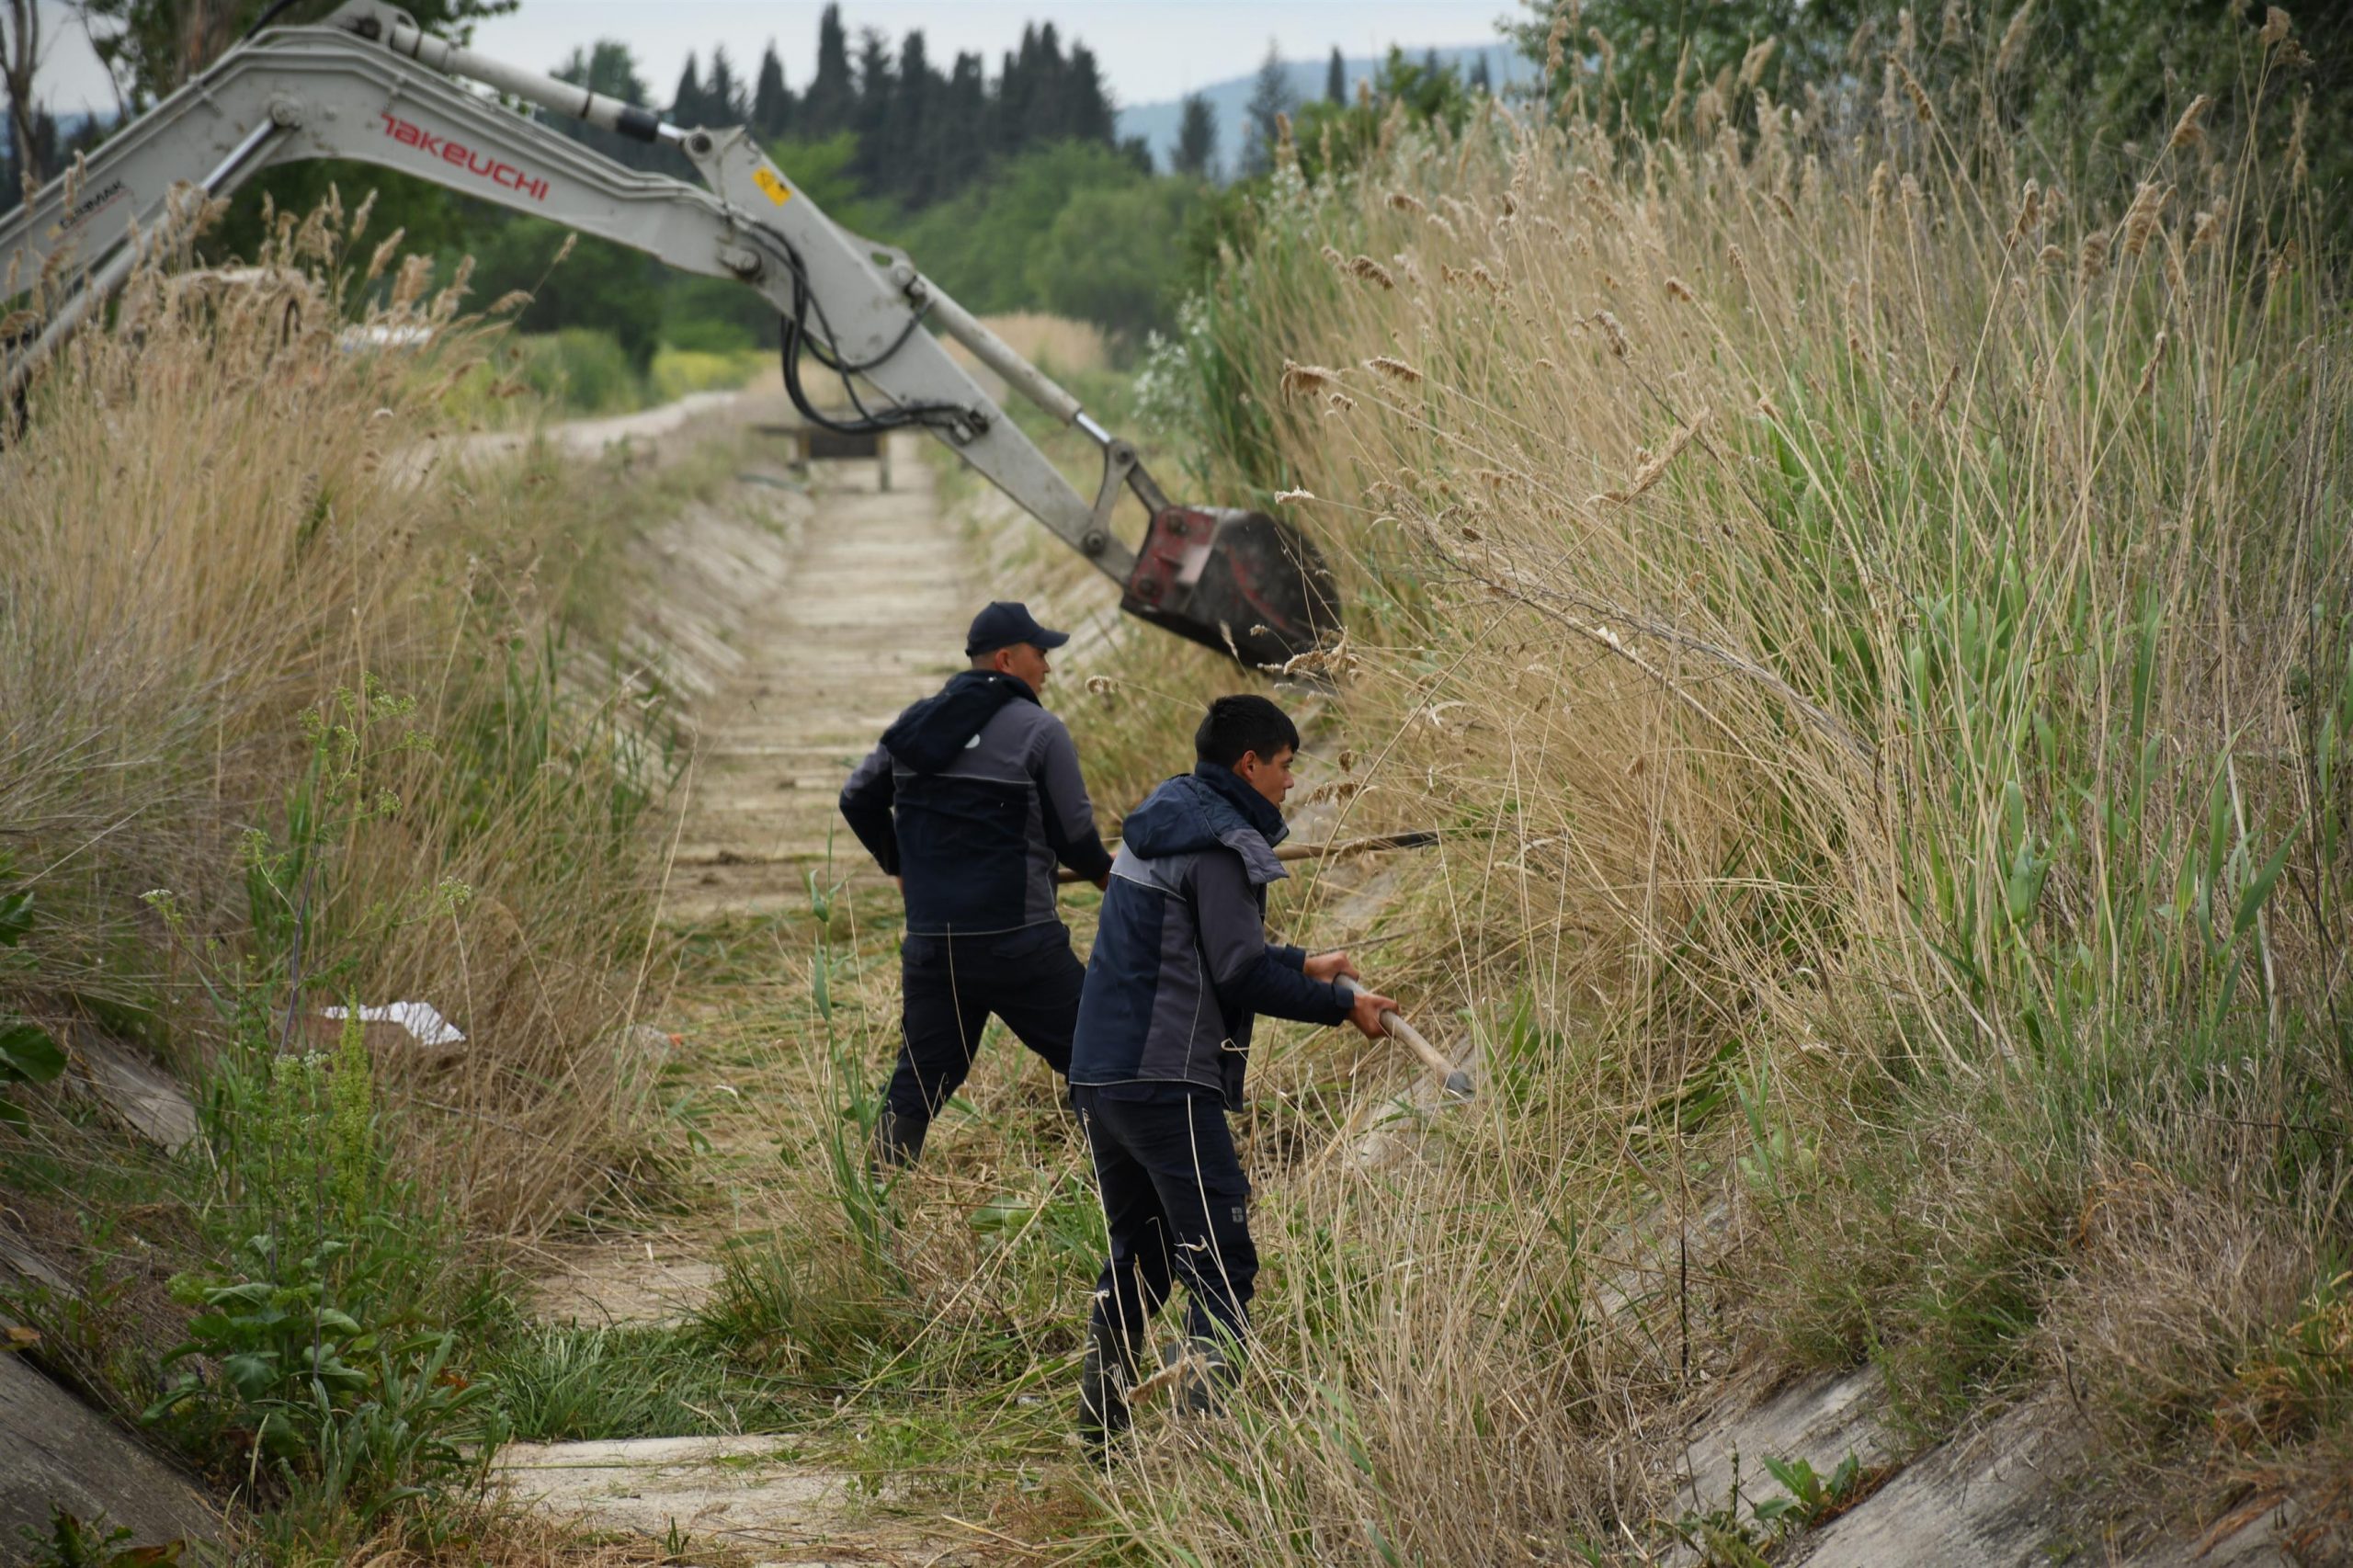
368	85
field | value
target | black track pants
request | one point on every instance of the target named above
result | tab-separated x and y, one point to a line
1176	1204
1030	978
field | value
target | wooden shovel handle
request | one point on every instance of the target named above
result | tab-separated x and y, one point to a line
1398	1027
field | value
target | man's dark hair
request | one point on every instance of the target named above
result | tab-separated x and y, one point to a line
1236	724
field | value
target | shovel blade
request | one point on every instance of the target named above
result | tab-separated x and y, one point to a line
1239	582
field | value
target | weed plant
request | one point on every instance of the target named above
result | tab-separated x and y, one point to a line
304	710
1865	601
525	378
275	662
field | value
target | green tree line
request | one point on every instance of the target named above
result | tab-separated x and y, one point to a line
2093	78
1009	188
1008	185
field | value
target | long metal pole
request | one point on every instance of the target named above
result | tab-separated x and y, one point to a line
548	92
997	355
117	269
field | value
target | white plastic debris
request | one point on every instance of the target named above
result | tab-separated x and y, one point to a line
422	1019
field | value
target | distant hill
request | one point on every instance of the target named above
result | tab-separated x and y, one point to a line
1157	122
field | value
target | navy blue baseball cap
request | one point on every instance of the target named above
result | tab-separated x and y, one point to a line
1004	623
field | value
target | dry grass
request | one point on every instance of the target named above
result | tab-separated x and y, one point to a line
1884	677
257	653
2171	1291
1058	345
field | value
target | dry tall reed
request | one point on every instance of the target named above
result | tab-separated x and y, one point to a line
222	530
1887	689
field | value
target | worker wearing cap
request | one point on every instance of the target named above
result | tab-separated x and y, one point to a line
971	801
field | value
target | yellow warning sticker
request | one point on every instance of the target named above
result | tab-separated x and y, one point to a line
779	192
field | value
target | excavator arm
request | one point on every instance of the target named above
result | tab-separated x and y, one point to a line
367	84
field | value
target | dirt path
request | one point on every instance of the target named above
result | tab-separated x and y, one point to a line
829	614
866	619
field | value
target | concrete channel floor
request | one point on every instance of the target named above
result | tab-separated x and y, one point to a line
835	622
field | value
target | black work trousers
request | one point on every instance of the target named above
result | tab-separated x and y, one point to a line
1176	1204
1030	978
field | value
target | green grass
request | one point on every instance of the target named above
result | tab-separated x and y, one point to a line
581	371
572	1382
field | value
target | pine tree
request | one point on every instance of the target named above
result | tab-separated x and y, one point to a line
871	115
961	125
1088	115
1195	152
1016	85
912	173
1048	108
1482	81
608	67
830	103
1335	79
771	99
722	96
686	105
1270	97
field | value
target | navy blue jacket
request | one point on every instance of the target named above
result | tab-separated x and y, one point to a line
971	799
1182	966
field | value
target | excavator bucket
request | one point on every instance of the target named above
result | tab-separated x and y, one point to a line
1239	582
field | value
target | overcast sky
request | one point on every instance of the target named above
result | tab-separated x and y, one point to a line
1149	49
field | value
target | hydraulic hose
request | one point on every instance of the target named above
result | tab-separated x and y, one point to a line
797	339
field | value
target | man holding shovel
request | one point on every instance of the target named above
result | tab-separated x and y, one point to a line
1181	968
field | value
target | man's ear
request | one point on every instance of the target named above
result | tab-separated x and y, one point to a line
1243	764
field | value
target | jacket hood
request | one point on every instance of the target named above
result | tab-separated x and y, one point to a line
927	736
1209	809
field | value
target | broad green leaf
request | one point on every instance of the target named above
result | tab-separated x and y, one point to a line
28	1053
2023	891
251	1293
1796	1475
15	918
250	1372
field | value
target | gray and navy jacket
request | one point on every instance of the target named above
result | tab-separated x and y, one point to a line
971	798
1182	966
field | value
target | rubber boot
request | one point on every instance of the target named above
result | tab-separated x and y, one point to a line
896	1144
1104	1374
1202	1379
